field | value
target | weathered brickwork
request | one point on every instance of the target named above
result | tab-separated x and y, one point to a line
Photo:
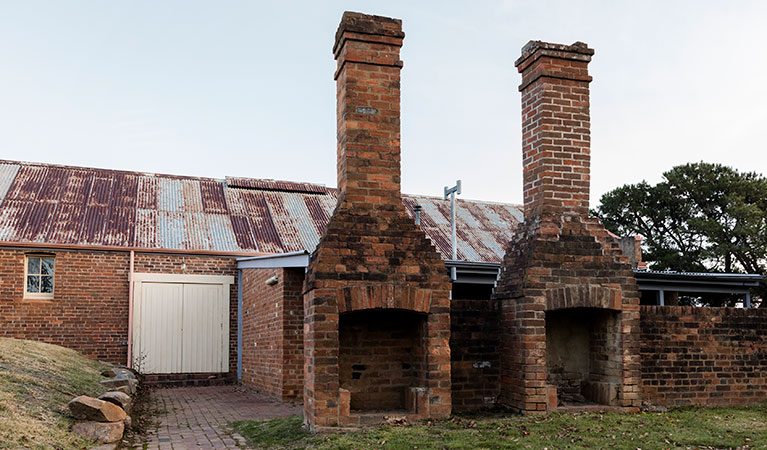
703	356
381	356
89	312
560	258
371	256
474	351
272	332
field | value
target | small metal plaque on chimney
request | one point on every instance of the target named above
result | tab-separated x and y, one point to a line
366	110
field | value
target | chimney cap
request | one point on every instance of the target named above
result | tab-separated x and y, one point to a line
369	24
578	51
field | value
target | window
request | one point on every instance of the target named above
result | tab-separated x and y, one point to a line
38	277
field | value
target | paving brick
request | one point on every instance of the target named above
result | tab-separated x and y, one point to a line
200	417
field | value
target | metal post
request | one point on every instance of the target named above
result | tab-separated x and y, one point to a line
747	301
661	298
451	192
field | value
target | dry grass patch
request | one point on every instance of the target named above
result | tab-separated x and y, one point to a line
36	382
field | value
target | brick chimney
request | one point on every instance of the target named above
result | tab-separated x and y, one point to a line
368	109
568	296
556	142
376	301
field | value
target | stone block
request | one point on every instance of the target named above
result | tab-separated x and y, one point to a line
89	408
120	399
102	432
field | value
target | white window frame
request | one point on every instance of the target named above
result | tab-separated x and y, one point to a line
39	295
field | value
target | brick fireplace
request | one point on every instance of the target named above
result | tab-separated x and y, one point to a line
376	301
569	301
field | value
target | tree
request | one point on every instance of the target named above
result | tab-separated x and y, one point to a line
700	218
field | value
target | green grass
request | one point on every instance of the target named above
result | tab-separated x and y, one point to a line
36	382
742	428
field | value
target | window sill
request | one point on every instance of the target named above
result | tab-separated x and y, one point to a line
37	300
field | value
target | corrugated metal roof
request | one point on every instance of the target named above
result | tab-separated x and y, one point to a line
62	205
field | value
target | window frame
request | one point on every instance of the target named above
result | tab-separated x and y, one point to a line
39	295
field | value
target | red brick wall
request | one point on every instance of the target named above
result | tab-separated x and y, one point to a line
262	330
293	333
474	351
703	356
89	312
272	332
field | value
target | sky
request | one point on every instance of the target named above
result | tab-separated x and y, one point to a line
245	88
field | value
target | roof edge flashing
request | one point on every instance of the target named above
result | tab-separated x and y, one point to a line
281	260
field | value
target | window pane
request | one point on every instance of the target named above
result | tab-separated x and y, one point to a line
46	285
47	266
33	284
33	265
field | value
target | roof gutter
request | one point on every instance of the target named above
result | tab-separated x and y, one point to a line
114	248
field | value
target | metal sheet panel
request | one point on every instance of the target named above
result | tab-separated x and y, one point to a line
7	175
76	205
221	234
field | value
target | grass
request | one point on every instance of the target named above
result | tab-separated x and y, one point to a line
706	428
36	382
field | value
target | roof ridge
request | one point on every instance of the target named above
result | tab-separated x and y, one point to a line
121	171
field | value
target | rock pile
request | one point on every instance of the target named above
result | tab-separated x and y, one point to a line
104	419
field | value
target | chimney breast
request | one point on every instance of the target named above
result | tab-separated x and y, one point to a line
368	108
556	142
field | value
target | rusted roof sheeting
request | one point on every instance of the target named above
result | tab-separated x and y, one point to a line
276	185
81	206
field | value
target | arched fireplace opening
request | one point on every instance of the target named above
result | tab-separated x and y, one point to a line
382	358
583	355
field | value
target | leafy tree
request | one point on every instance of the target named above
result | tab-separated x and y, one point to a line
700	218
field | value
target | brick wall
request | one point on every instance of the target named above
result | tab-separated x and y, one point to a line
262	342
703	356
474	351
293	334
89	312
272	332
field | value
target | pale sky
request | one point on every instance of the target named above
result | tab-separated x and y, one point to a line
246	88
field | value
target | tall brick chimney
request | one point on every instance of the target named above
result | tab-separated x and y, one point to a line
368	108
376	302
568	296
556	142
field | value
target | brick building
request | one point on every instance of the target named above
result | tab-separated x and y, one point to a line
343	298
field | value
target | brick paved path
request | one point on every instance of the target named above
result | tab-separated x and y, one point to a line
199	417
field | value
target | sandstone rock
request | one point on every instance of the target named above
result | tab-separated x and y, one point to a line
120	381
120	399
89	408
103	432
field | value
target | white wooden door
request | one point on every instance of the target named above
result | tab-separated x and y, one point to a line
159	343
205	329
181	323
